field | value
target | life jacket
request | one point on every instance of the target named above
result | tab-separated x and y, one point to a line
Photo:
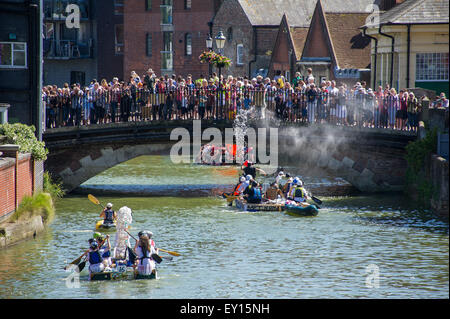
256	197
95	257
103	253
299	192
109	216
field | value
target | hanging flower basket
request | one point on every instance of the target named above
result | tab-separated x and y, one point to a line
215	59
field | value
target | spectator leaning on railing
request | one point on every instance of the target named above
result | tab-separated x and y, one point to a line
149	98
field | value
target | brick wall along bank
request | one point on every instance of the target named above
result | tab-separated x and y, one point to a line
17	181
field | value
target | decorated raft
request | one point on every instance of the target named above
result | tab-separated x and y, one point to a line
103	226
244	206
120	272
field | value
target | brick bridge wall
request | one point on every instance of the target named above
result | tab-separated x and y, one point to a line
372	160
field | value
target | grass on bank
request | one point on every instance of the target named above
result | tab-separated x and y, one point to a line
41	203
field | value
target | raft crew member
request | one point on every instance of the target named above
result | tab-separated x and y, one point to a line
279	177
298	193
144	249
249	169
287	187
253	193
96	261
108	214
273	191
105	249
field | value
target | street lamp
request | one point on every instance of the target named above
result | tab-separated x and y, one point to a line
209	46
209	42
220	43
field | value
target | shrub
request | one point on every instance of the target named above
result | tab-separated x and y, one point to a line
23	135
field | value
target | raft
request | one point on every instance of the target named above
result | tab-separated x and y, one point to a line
100	225
310	210
120	273
244	206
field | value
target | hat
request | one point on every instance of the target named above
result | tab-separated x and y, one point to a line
109	205
94	245
97	235
242	179
246	163
249	177
281	173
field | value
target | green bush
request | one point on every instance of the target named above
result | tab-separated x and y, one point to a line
53	188
23	135
38	204
416	155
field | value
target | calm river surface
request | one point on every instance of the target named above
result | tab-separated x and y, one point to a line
226	253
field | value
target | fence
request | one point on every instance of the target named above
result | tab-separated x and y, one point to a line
286	105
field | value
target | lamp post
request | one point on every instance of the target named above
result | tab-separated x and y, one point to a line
209	46
220	43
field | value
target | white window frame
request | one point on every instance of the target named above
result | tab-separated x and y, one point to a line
12	66
437	75
238	59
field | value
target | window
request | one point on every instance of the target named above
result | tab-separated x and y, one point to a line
240	54
167	53
187	4
230	34
148	44
148	5
118	7
166	11
119	38
13	55
432	67
188	44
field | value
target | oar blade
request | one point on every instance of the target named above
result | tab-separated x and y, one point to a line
93	199
81	266
157	258
318	201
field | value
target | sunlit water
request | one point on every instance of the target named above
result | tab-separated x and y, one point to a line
226	253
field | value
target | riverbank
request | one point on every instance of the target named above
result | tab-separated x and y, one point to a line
29	220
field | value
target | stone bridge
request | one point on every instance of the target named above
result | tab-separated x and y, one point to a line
370	159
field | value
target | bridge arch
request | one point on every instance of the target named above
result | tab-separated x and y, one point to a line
372	160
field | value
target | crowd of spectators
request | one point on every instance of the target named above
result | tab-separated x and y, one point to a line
150	98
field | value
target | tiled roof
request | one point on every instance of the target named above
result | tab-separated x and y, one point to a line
298	35
417	11
352	50
298	12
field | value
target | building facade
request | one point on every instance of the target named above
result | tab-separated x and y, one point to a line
167	36
410	46
80	53
21	61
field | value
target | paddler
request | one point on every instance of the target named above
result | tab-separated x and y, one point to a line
249	169
237	190
145	247
273	192
96	261
253	193
108	214
105	248
298	193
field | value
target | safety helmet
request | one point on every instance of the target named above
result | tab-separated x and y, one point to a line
109	205
242	179
94	245
248	177
300	182
295	181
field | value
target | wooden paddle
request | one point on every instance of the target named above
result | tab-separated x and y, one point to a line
173	253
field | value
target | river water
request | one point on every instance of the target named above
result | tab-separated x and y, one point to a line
357	247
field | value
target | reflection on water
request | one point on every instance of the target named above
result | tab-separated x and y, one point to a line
226	253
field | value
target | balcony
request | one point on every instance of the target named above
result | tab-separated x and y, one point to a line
56	9
66	49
